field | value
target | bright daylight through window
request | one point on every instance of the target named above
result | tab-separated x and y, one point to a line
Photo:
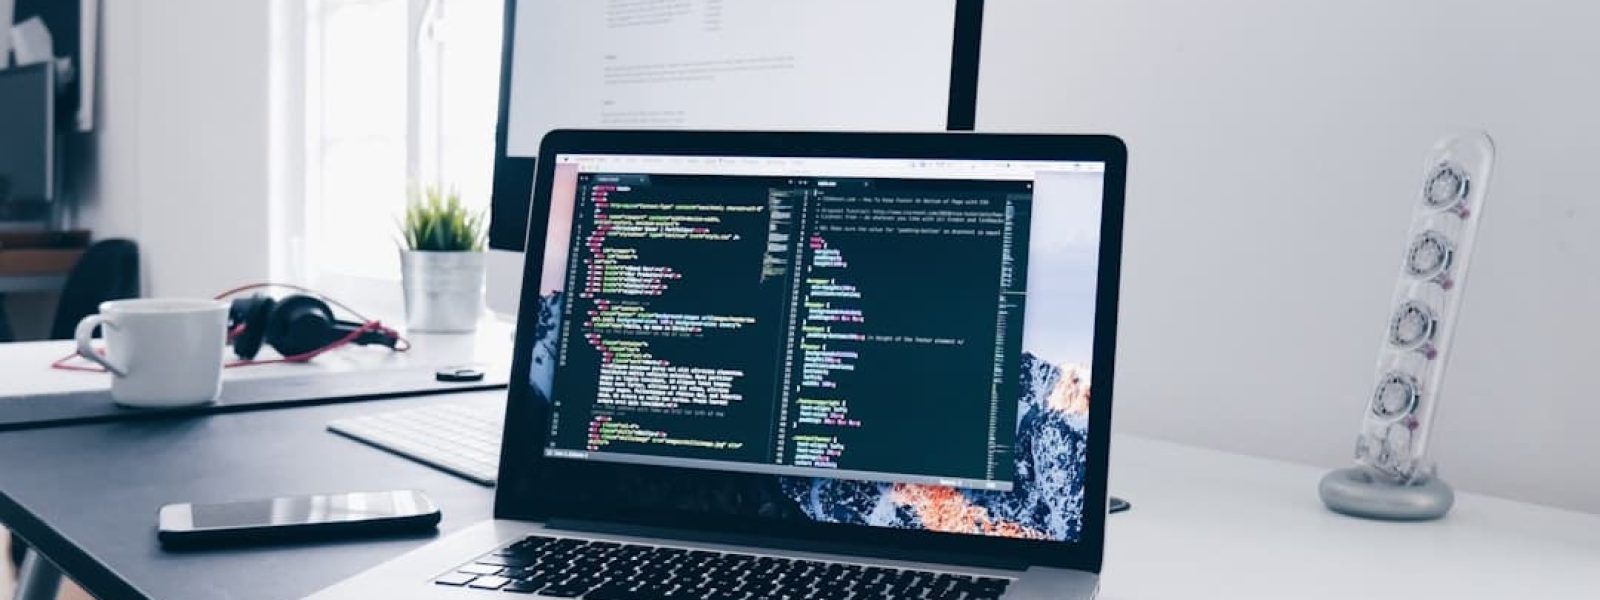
399	93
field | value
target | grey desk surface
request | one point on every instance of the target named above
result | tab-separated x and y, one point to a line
87	496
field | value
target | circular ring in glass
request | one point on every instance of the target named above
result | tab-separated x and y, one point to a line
1412	325
1429	255
1396	395
1447	186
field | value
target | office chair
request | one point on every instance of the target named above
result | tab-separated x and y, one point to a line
6	334
19	551
108	270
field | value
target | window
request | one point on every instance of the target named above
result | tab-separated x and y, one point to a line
398	93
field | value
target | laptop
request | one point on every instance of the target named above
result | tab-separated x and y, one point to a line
802	365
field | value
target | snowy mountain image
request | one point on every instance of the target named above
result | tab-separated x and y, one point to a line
545	331
1047	502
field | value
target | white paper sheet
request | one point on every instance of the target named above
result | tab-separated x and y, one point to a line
7	12
31	42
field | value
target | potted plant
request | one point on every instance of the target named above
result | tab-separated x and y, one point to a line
441	263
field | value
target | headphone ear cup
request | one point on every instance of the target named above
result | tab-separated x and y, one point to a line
300	324
249	316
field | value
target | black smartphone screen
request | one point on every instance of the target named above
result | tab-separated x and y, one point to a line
306	510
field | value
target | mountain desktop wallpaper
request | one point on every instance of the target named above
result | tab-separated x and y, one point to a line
1052	428
1046	501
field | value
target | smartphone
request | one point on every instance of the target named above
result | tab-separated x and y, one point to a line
296	518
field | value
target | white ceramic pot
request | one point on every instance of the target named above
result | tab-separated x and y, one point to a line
443	290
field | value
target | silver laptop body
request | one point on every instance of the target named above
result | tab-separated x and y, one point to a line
865	352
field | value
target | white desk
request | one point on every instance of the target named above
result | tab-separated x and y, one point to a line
1209	524
1204	524
25	366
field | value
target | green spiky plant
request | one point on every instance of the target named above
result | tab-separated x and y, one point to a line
437	222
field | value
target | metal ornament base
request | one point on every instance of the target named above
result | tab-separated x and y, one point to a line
1356	492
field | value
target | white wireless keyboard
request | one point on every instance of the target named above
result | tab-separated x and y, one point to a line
461	440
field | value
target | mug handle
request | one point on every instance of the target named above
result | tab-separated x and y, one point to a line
84	333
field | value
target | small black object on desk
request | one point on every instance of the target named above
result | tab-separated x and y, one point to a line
459	374
1119	505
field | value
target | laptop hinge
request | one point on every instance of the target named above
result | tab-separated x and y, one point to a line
777	543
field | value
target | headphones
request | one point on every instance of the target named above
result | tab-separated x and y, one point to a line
298	326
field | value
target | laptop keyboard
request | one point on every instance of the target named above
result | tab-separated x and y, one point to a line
595	570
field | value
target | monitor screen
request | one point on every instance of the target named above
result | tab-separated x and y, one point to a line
887	342
712	64
27	109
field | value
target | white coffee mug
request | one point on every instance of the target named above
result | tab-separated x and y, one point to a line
160	352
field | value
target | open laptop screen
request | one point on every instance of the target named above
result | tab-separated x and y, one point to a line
890	342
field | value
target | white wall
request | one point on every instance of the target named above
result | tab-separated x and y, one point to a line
1276	150
183	144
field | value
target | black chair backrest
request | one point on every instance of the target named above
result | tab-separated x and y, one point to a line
108	270
6	335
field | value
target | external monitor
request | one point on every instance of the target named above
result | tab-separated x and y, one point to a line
27	139
890	65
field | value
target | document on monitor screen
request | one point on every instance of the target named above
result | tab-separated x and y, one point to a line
711	64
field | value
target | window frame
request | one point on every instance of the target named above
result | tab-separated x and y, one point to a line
423	139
